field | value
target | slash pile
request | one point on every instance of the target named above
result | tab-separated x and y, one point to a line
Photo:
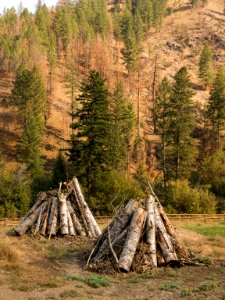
139	238
60	213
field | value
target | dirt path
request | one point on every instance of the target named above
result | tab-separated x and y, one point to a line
40	269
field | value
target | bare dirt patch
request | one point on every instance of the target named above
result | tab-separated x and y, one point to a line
35	269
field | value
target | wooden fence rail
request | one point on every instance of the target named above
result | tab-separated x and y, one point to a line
105	219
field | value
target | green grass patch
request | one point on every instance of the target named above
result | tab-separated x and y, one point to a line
186	293
169	286
94	281
210	230
207	286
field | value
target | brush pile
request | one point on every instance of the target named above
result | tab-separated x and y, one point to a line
60	213
139	238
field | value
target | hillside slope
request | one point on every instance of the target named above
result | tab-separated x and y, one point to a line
178	43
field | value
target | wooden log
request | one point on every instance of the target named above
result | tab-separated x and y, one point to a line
76	222
43	206
63	214
161	228
70	225
83	219
160	259
51	215
92	224
150	229
132	240
117	226
177	242
42	196
26	223
45	223
169	257
53	229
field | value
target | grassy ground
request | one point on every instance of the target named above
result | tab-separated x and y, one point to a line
32	269
210	229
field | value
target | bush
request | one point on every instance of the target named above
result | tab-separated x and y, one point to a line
15	196
213	172
181	198
112	189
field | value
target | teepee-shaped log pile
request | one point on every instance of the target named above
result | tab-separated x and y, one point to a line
60	213
139	238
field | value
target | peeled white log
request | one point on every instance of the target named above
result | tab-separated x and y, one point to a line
91	222
177	242
117	226
161	228
76	221
51	215
45	223
84	222
26	223
132	240
150	229
70	224
53	228
43	206
168	256
64	228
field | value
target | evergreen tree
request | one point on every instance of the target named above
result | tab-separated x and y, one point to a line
216	106
90	141
122	121
182	122
162	115
205	66
60	170
52	58
29	95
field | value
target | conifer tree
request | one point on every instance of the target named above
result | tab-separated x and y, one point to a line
122	121
60	170
162	114
29	95
205	66
216	107
90	141
182	122
52	58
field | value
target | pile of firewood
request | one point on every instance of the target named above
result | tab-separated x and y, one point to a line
60	213
139	238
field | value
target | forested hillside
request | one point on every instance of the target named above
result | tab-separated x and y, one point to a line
118	93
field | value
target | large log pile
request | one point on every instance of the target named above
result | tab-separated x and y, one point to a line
139	238
58	212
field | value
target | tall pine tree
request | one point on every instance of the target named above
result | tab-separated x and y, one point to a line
182	122
29	95
205	66
122	121
90	141
162	111
216	106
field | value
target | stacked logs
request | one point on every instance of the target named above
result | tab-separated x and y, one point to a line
140	237
60	213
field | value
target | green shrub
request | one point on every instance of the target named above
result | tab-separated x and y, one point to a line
182	198
15	196
112	189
